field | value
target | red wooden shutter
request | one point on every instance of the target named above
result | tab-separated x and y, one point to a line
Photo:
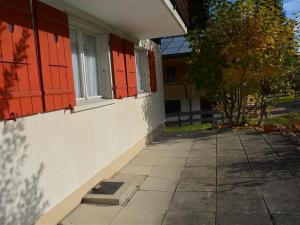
55	57
152	67
20	92
118	64
130	68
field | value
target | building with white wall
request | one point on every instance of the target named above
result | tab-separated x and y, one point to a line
81	93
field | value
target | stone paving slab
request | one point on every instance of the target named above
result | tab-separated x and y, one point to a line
91	215
243	202
199	172
171	172
189	218
209	178
130	216
202	153
286	205
197	184
137	169
244	219
173	161
286	219
199	201
151	200
202	161
159	184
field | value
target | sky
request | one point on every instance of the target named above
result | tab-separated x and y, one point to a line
291	7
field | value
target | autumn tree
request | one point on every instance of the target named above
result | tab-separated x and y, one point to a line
248	48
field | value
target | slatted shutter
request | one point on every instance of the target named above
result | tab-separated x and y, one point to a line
20	92
118	64
130	68
55	57
152	67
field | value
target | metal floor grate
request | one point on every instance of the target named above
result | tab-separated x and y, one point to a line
107	188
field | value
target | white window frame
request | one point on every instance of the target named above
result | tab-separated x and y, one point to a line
103	68
144	71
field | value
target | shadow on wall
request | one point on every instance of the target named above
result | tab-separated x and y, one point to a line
21	199
148	108
154	105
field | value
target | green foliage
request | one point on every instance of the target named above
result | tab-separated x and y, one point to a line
248	47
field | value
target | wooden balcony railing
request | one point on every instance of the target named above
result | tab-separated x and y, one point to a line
180	90
183	9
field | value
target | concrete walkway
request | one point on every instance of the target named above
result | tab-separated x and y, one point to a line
206	179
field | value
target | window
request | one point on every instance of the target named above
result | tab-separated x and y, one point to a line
172	106
142	70
171	74
85	64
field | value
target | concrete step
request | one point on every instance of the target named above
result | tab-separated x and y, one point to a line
110	192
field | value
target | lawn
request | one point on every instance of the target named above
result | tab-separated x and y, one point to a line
287	120
188	128
284	99
284	120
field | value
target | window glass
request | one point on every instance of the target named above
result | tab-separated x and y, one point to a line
75	62
142	70
138	71
171	74
90	63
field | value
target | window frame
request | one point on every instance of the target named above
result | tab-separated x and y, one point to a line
144	72
82	67
104	74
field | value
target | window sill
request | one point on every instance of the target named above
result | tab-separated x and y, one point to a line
144	94
85	105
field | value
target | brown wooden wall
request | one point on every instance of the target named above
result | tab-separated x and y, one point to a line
181	68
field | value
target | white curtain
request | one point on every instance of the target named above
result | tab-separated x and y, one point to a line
138	70
75	62
145	71
90	62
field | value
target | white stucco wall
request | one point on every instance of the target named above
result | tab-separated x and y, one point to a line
46	157
71	147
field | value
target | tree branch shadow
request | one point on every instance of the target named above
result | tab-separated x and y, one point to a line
21	198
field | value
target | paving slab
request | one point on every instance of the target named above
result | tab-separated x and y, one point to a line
151	200
229	178
130	178
203	153
287	205
238	184
145	161
130	216
202	146
199	201
275	188
236	169
172	161
137	169
189	218
243	219
92	215
202	161
171	172
159	184
197	184
286	219
199	172
244	202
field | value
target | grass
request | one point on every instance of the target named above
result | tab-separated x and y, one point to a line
188	128
284	99
284	120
